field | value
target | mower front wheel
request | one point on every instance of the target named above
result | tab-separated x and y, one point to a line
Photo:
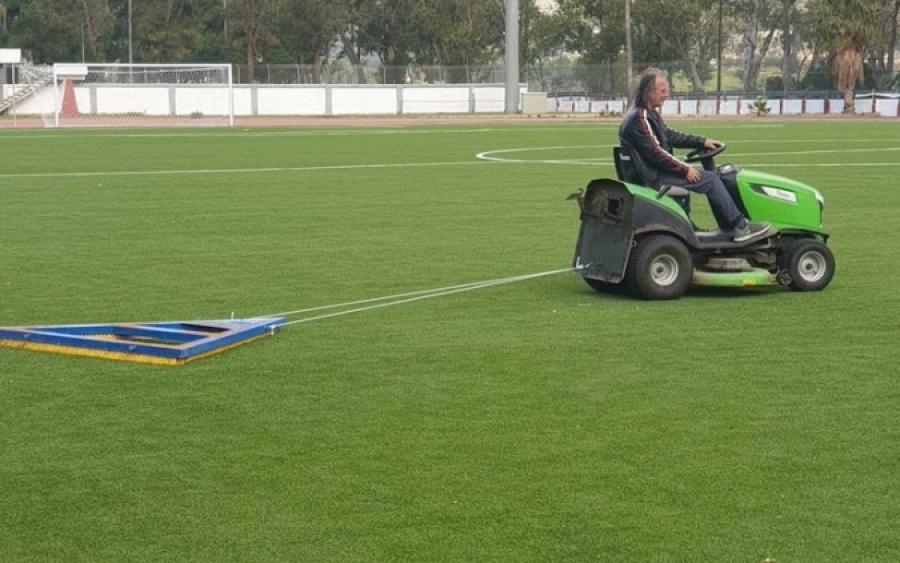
808	263
660	267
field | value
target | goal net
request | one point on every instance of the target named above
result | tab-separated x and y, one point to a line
141	95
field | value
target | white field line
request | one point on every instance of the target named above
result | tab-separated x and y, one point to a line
481	158
391	300
491	156
106	174
823	165
241	132
238	133
482	161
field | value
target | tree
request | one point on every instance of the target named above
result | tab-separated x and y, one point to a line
357	13
165	31
98	20
547	37
391	30
249	26
845	28
47	30
596	30
788	59
756	21
539	35
680	37
313	28
880	55
891	46
472	42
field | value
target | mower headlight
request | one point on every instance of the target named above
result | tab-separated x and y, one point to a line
821	201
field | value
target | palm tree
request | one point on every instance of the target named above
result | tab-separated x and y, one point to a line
846	64
845	28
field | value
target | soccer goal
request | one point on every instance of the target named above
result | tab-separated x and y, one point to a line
141	95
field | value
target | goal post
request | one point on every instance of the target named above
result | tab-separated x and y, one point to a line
141	95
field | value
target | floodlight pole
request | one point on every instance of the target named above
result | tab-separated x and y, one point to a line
719	54
512	56
130	53
629	63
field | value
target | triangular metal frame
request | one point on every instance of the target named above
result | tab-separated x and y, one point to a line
165	343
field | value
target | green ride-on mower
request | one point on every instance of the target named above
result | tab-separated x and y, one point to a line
642	239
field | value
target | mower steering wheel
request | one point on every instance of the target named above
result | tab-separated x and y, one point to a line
705	156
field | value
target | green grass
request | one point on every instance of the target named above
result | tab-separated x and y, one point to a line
532	421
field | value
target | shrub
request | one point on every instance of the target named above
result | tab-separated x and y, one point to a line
759	107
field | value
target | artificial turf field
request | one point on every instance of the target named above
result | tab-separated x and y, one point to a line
529	421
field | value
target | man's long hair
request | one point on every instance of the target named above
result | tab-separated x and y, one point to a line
645	85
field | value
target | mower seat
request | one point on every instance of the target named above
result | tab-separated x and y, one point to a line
628	170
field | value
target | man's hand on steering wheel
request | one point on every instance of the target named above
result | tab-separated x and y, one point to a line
711	148
693	175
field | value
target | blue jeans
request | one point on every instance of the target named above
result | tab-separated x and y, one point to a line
727	214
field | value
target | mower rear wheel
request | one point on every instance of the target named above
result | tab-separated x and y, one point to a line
660	267
809	263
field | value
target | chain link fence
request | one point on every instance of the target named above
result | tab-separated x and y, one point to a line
341	72
566	78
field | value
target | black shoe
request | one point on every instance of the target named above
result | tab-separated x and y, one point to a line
750	231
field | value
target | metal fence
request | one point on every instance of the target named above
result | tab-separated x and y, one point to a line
571	78
566	78
341	72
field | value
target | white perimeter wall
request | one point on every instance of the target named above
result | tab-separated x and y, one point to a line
328	100
732	106
272	100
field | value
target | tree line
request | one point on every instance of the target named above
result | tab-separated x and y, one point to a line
838	42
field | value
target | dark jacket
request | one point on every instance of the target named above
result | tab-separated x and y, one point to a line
645	133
